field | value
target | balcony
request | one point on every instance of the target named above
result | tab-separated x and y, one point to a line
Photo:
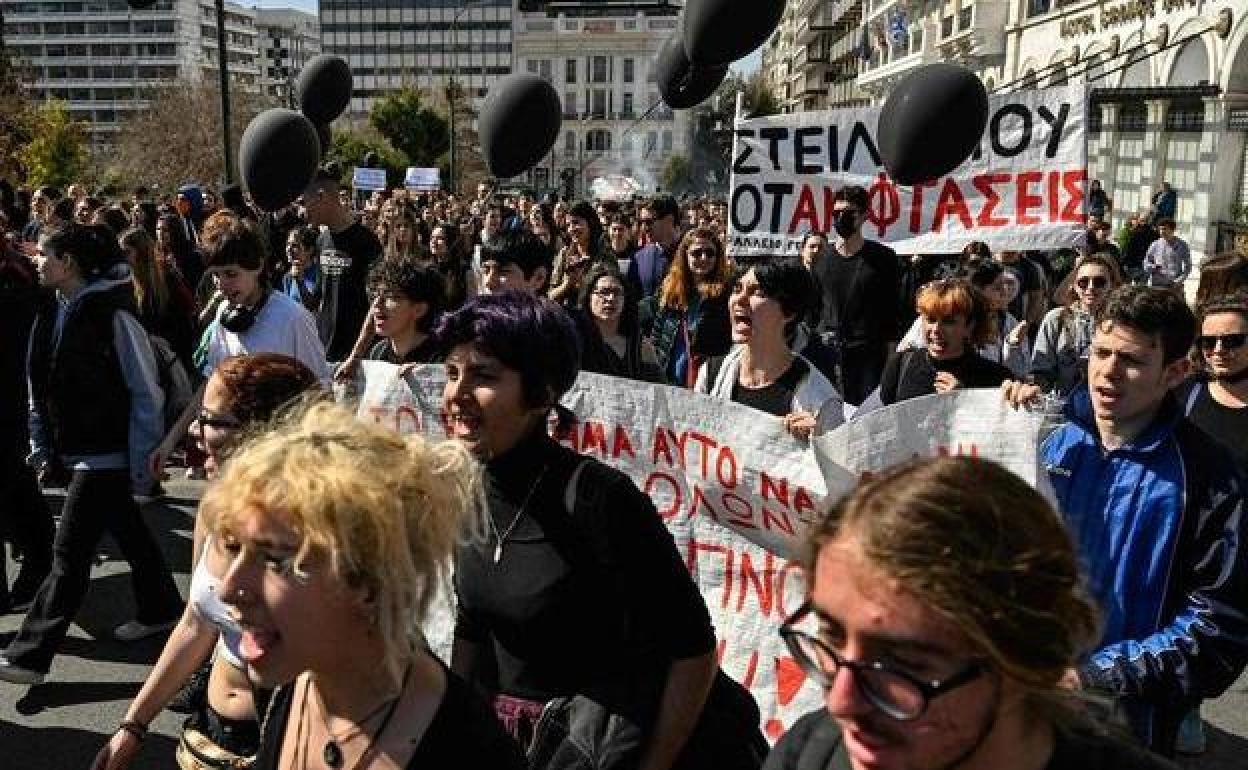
976	31
843	16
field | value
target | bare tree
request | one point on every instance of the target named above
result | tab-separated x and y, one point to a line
177	139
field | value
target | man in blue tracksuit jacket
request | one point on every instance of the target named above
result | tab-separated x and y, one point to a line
1156	508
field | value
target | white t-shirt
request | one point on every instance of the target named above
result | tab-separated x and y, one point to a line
283	326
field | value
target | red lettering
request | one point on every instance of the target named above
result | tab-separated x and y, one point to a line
726	458
786	603
774	489
700	500
802	501
916	206
708	444
413	417
1054	177
829	207
1073	183
773	521
763	587
680	440
677	497
661	447
805	211
622	444
695	547
951	201
595	437
1024	200
984	183
740	513
748	680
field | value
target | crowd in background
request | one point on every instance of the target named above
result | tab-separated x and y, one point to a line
506	285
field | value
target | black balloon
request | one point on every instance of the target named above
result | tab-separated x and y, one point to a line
325	135
278	156
932	122
519	123
681	84
718	32
324	88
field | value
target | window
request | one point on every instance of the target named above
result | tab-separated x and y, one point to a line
1095	116
598	107
531	66
629	65
569	103
543	69
667	141
1132	118
1185	118
569	142
964	18
570	70
598	140
628	105
598	71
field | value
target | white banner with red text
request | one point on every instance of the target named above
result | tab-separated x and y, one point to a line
735	490
1022	188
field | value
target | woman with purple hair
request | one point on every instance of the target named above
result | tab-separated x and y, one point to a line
577	598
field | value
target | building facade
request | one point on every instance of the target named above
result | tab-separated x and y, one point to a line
1168	84
600	61
425	44
811	61
288	39
104	59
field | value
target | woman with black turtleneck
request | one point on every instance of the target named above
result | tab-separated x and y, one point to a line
955	320
577	587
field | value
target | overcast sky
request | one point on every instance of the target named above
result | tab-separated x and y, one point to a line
745	66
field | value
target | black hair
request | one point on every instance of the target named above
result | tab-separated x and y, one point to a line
664	206
417	281
521	248
788	282
116	220
93	248
1153	311
1166	222
585	210
600	270
982	271
853	195
306	236
63	209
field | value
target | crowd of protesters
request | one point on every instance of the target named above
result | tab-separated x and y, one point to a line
147	335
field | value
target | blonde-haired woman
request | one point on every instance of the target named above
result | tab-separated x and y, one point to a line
687	319
338	533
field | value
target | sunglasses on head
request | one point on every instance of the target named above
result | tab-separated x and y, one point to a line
1209	342
1093	281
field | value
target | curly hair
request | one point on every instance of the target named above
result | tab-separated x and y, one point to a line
417	281
260	384
983	549
386	511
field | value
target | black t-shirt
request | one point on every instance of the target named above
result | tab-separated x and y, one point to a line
1227	425
427	352
343	300
555	618
912	373
776	398
814	743
860	295
463	733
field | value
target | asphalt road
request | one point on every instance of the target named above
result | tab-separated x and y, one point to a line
61	724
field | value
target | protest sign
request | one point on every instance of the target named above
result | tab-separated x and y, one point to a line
422	178
973	422
1023	188
368	178
735	490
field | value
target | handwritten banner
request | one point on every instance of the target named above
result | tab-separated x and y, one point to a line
1023	188
735	490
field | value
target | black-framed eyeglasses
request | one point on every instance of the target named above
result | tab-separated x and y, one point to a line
207	419
702	253
611	292
898	694
1209	342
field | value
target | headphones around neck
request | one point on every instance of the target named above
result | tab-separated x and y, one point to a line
240	318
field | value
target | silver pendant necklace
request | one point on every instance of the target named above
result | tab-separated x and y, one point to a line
500	539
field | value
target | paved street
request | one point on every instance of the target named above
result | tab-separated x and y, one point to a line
61	724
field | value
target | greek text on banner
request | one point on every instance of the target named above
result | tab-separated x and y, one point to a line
1023	188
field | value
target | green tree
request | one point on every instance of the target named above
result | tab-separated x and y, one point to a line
57	152
411	127
676	176
350	147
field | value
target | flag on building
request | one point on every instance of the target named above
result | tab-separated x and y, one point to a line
897	23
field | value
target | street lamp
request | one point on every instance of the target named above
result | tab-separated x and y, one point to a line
450	88
223	58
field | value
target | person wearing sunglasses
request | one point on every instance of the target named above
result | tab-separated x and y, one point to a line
687	320
945	617
658	224
1157	509
1218	401
1059	360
